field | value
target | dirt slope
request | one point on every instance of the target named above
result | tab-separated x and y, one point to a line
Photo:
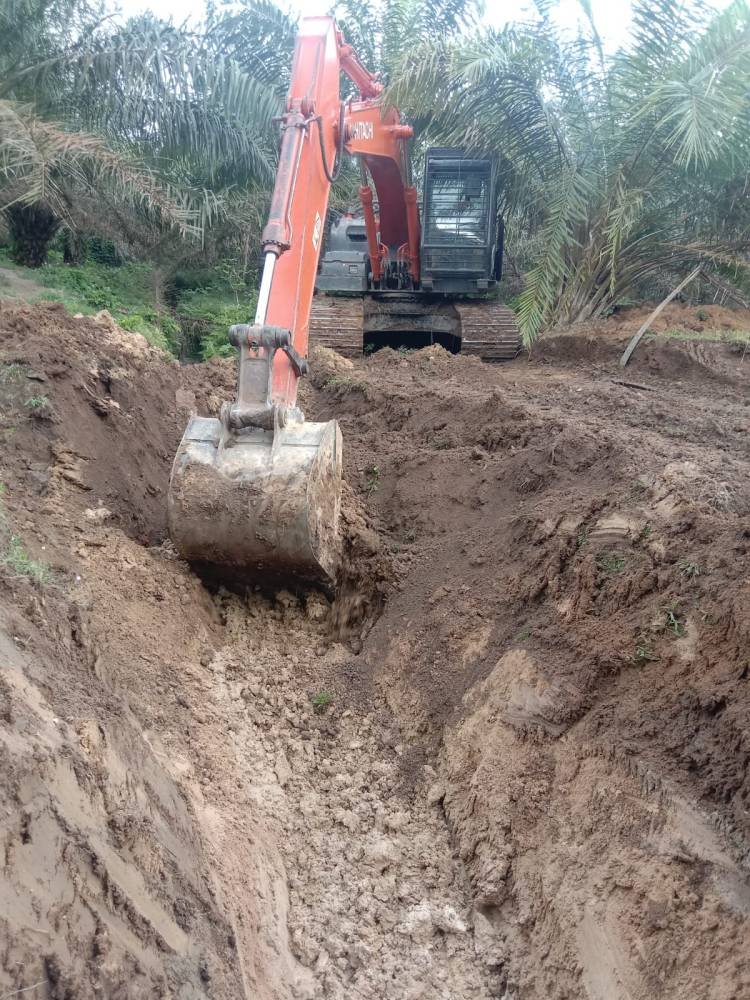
572	639
511	760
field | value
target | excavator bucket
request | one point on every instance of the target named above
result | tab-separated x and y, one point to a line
254	502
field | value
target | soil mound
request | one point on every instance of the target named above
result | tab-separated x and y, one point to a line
107	411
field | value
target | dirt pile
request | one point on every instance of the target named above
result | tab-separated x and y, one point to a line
512	759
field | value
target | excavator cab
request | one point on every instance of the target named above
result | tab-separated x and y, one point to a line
461	247
462	244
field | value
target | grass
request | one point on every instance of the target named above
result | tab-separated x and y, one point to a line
610	562
643	653
127	291
203	305
11	372
673	623
205	314
13	553
345	383
690	569
37	402
321	700
17	559
637	492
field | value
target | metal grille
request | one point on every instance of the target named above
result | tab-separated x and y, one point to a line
456	208
454	259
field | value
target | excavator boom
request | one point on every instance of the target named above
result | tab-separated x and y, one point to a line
257	491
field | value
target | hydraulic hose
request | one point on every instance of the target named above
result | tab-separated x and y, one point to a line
332	176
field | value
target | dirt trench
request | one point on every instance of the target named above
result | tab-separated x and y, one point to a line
511	760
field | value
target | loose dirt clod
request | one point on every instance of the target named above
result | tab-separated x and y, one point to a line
510	759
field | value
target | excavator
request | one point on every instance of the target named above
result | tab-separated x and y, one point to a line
256	492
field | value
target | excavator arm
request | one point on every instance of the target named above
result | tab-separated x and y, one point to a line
258	490
316	129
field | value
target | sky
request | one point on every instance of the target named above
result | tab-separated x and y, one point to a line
612	17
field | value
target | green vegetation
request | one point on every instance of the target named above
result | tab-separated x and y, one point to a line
690	569
344	383
17	559
723	336
135	153
643	653
321	700
11	372
192	320
372	482
621	172
205	315
13	553
637	492
37	402
673	624
610	562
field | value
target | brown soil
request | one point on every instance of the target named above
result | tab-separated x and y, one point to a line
510	760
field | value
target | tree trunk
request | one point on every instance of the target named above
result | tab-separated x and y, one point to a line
32	229
74	248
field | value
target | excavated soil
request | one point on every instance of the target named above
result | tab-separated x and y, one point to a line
509	760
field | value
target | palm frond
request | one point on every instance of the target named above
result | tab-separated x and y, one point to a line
40	161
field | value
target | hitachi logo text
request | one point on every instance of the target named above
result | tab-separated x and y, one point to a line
362	130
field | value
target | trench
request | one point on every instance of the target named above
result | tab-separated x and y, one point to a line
379	902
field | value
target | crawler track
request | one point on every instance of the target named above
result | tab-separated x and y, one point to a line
338	323
487	330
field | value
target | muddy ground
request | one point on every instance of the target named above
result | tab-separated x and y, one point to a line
510	761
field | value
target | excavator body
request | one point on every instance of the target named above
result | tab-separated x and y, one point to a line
255	492
452	302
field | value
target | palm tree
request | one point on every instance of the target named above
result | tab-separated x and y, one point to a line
152	118
385	32
618	173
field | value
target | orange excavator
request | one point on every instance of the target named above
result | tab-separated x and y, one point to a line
258	490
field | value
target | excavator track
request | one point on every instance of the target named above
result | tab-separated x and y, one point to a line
488	331
338	322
